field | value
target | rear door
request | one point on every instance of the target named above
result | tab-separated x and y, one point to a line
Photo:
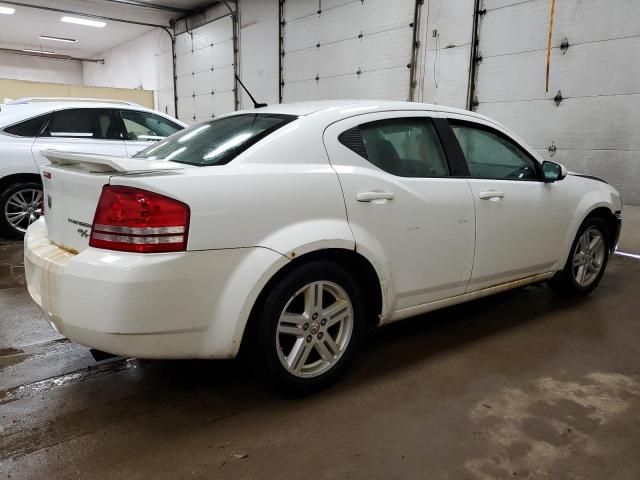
404	204
520	220
86	130
142	129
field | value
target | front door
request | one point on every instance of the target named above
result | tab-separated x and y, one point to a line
404	207
519	218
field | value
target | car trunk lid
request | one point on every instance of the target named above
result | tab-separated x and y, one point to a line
73	183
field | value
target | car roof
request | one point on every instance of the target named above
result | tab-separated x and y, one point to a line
342	108
23	109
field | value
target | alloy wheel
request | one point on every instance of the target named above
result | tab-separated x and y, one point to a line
588	257
23	208
314	329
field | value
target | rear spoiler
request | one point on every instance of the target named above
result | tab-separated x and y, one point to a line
105	163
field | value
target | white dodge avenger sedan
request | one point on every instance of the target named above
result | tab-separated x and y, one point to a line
289	230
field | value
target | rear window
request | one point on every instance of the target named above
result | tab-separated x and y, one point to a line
28	128
218	141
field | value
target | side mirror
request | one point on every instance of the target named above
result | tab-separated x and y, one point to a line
552	171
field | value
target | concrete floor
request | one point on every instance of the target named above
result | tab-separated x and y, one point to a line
521	385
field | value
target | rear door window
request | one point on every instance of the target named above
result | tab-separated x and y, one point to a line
89	123
218	141
405	147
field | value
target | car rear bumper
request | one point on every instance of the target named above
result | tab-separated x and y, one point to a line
174	305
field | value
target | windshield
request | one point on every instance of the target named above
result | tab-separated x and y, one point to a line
218	141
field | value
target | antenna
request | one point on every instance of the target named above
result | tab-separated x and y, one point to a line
255	104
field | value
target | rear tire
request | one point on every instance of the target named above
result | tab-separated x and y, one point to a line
309	328
20	205
587	260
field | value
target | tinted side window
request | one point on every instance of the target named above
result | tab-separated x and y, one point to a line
28	128
96	123
490	154
406	147
147	126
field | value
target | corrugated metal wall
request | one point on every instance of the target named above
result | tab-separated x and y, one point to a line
594	129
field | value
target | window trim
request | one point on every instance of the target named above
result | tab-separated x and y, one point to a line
81	137
421	118
123	126
451	122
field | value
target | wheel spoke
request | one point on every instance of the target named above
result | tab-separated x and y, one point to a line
313	297
291	324
578	259
336	313
324	352
298	355
595	242
14	202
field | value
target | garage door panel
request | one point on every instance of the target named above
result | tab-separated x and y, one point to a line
577	20
202	83
346	38
186	109
185	86
205	65
212	33
347	22
300	8
447	75
220	55
184	64
597	123
183	44
521	77
223	79
209	106
368	53
530	20
388	84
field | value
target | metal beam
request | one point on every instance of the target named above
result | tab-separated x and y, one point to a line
82	14
54	56
155	6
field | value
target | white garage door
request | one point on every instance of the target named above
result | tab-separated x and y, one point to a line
205	72
346	49
594	129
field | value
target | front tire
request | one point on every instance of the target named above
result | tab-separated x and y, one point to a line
20	206
310	328
587	260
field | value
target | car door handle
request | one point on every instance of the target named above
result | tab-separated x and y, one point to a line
491	195
371	196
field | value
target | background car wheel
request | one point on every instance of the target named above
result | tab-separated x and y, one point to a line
20	206
587	260
309	328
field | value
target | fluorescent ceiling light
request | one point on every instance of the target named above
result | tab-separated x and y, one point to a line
83	21
33	50
57	39
7	10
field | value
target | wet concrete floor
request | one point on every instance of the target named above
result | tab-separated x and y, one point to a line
520	385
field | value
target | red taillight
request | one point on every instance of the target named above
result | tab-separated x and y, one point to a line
134	220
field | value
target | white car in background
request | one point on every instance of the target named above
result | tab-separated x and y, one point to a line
292	228
30	125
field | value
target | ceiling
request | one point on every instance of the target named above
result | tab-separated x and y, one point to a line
23	28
